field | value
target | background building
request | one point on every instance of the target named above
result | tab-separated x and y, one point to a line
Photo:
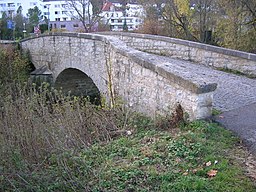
121	17
10	7
61	15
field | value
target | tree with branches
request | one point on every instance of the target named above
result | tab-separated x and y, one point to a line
88	13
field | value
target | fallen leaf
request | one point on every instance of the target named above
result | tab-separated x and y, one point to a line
185	173
208	163
212	173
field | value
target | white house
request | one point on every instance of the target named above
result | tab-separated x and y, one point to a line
135	10
10	7
117	16
62	15
59	12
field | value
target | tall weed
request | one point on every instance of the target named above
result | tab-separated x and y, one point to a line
39	121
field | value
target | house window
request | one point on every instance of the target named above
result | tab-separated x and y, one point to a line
65	18
11	5
56	12
64	12
75	25
63	26
57	6
57	19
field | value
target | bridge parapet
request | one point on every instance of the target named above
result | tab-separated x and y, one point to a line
208	55
146	82
7	42
149	82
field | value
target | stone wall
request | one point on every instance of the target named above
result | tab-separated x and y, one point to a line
59	52
208	55
143	81
6	43
75	82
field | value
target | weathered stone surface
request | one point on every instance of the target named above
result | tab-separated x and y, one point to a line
232	92
75	82
208	55
148	83
7	42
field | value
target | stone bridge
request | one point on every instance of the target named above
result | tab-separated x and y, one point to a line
151	74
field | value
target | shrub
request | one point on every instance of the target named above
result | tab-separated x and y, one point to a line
14	66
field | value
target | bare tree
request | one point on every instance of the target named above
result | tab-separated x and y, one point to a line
85	11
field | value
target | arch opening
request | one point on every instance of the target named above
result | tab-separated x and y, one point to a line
77	83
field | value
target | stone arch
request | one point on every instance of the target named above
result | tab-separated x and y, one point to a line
77	83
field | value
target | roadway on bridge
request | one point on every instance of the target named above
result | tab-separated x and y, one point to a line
235	96
232	91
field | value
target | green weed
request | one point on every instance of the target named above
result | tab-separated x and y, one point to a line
147	160
53	142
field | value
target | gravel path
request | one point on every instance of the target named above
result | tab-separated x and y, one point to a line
233	91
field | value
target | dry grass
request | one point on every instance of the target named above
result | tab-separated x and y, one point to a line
39	121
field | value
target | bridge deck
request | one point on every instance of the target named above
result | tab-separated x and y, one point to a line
232	91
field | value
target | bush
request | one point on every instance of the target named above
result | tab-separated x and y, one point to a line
14	66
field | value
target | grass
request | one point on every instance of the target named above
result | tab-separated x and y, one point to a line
147	160
50	142
216	112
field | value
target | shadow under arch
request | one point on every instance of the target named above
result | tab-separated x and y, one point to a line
77	83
